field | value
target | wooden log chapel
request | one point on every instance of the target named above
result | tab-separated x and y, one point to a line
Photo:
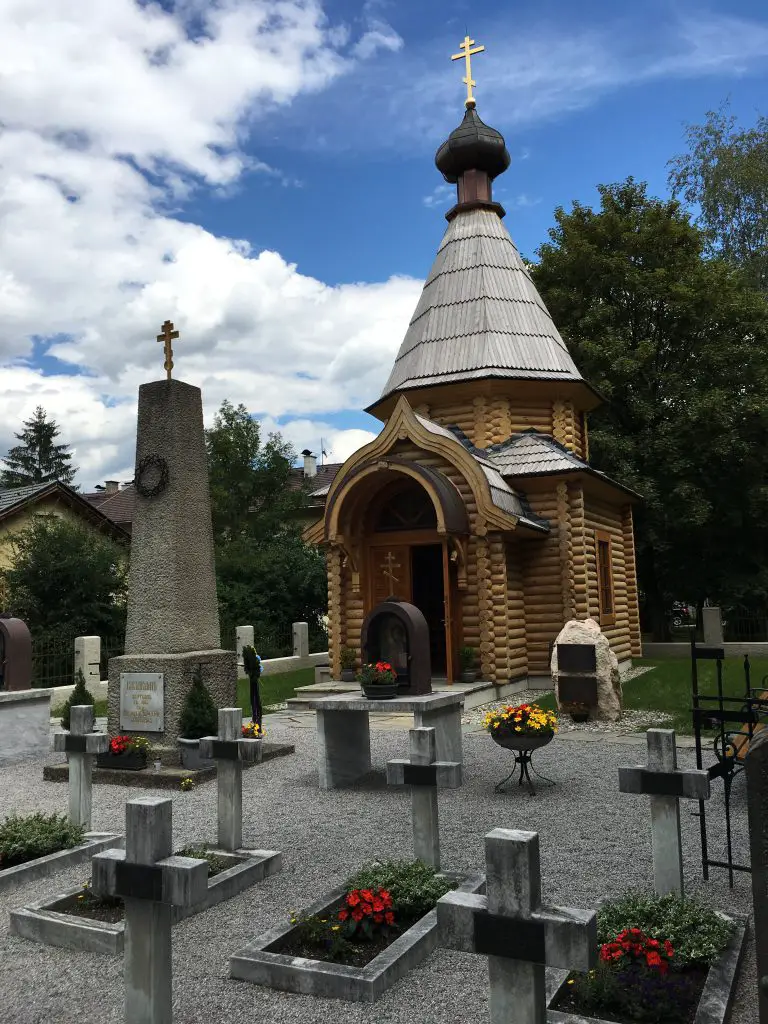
477	502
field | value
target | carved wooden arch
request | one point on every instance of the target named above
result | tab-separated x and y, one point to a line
404	424
449	507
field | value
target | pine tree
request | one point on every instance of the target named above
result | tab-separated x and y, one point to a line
38	459
199	715
80	695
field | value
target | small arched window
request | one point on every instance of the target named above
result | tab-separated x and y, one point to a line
407	508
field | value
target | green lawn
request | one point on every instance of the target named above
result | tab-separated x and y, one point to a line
274	689
667	687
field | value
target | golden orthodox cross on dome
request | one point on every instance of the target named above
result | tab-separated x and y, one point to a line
167	337
466	54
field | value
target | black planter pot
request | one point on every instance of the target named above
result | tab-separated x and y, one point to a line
131	762
380	691
510	742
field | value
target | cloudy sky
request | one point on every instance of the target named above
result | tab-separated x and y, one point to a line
260	172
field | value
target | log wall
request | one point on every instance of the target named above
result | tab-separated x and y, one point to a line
612	520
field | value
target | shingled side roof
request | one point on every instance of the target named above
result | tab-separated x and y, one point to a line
479	315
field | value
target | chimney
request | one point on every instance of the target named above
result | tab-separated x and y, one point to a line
310	463
111	486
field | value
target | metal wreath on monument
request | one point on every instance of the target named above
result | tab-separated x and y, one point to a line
152	467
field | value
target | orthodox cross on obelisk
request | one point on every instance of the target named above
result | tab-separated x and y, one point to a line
468	49
167	337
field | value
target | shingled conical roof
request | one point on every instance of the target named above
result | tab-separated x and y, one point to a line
479	315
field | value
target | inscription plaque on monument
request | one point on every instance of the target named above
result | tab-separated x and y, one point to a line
141	701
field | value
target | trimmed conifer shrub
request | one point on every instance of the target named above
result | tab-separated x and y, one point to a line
80	695
199	716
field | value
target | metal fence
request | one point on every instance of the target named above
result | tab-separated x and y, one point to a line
741	627
53	659
318	639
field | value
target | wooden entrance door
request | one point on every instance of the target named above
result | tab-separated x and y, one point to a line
390	573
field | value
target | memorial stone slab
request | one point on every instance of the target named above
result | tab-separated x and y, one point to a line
666	785
88	658
229	749
80	744
520	936
756	768
151	882
142	697
424	774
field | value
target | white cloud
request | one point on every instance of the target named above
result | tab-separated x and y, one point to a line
441	195
112	112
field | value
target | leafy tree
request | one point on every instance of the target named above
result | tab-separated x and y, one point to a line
66	580
725	173
38	459
676	345
265	572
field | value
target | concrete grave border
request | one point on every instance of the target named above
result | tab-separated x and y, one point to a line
42	922
41	867
257	963
716	996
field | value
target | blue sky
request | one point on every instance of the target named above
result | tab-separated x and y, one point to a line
319	164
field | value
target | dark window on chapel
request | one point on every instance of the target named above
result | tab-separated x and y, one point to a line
408	509
605	578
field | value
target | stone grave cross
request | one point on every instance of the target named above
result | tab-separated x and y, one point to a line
80	743
229	749
151	881
665	784
520	936
424	774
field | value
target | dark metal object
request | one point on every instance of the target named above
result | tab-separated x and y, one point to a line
756	771
577	689
75	744
748	710
139	881
420	775
416	676
513	939
15	655
522	747
145	468
227	750
576	658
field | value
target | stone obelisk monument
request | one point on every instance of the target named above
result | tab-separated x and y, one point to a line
173	617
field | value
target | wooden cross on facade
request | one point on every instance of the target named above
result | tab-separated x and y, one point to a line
389	571
168	335
468	49
665	784
520	937
424	775
151	882
229	749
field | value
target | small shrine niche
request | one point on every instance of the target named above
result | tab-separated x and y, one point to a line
397	632
15	654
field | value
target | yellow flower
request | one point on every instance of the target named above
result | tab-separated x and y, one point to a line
570	981
335	927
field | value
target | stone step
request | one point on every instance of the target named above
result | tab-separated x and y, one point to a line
475	694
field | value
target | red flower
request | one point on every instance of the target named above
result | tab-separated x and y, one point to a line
378	918
389	917
353	898
366	909
378	905
357	915
343	914
385	898
367	895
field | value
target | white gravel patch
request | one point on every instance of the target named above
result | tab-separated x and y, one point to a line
594	843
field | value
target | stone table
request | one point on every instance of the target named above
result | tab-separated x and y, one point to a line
344	738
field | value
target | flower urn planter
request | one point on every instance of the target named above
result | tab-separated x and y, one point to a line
190	755
130	761
468	675
380	691
512	742
348	675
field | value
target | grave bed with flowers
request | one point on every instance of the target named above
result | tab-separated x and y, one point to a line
79	919
358	940
662	960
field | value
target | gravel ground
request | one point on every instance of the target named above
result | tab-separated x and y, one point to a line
594	843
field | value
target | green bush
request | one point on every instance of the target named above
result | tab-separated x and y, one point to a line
24	839
216	863
199	716
80	695
415	887
697	933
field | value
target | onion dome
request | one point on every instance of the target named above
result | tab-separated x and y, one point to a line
473	146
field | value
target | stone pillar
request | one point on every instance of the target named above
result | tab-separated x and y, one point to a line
243	638
756	767
173	618
88	658
300	640
712	621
